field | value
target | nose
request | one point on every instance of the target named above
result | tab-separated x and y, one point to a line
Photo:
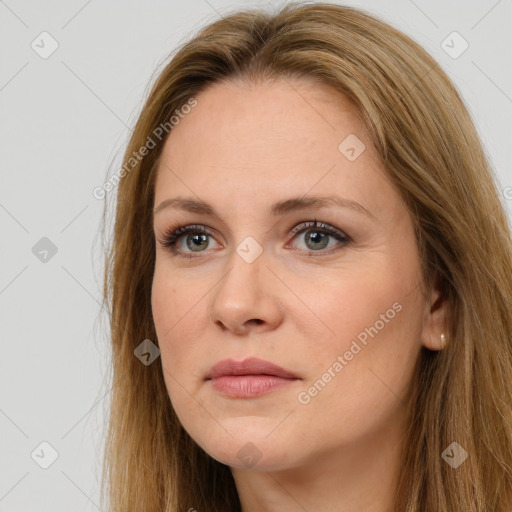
246	297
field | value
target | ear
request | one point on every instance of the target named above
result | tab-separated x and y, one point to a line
434	335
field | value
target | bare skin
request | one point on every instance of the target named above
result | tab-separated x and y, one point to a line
301	304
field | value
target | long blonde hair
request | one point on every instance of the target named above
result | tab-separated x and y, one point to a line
432	152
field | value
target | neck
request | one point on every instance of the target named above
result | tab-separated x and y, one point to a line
348	479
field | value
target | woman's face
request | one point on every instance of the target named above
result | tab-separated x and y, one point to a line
345	317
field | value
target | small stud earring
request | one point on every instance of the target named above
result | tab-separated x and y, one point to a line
443	338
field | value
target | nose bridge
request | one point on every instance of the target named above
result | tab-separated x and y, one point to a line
245	292
246	267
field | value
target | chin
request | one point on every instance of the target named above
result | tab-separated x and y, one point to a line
256	452
250	457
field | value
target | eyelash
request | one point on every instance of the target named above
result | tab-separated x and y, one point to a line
172	235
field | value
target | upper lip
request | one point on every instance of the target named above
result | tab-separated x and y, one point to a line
250	366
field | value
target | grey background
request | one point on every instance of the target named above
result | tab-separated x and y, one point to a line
63	121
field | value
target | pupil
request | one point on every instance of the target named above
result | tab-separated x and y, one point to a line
316	238
196	238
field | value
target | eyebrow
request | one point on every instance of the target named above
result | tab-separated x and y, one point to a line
280	208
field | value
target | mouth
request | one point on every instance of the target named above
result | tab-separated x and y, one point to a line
249	378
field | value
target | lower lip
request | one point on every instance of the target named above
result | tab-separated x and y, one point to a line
248	386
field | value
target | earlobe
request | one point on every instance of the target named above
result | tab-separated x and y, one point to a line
433	335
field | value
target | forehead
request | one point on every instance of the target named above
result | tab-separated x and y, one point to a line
269	140
279	116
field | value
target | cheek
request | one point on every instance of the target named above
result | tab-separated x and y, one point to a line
172	302
177	312
169	309
168	313
359	376
372	320
346	303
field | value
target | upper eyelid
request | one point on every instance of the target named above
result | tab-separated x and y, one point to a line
298	226
310	211
317	224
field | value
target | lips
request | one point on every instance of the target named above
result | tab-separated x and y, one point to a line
250	366
248	379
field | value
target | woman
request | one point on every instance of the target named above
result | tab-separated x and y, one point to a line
310	280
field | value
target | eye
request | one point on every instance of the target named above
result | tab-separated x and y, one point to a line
196	238
318	235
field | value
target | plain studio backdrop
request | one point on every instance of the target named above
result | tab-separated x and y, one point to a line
72	81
